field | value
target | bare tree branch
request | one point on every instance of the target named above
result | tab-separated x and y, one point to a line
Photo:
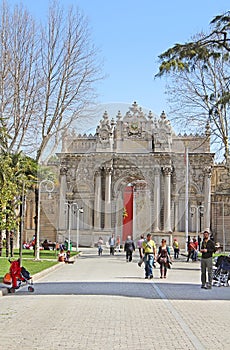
48	74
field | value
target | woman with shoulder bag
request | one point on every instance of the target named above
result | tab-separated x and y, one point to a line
163	258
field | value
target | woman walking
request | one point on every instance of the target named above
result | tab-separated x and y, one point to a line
163	258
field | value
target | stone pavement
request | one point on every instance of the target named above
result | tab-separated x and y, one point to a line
105	303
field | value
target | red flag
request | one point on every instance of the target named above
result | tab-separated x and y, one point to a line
128	213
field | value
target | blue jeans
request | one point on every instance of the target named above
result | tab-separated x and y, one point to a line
195	255
148	260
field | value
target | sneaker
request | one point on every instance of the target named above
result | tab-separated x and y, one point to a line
203	287
146	277
151	276
209	287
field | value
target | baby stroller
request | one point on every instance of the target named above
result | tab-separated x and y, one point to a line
221	272
18	276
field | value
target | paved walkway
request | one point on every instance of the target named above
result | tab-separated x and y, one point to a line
105	303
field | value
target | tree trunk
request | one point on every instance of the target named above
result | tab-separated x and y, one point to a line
7	243
36	219
0	242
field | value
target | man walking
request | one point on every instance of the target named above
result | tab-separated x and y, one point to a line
129	248
149	248
207	250
111	244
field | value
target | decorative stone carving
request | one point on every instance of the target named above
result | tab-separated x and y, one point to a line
136	150
63	170
208	171
167	170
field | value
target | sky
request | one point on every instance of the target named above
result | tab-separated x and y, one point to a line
130	35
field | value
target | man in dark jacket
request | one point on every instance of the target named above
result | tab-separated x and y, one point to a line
129	249
207	250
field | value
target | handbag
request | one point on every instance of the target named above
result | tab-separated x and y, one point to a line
163	260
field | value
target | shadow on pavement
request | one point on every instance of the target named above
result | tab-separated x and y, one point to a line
145	290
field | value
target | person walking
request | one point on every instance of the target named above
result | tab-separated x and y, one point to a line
129	248
112	244
163	258
207	250
195	252
149	248
176	248
139	246
191	249
99	246
118	244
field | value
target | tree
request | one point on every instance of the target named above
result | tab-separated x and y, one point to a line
48	73
69	68
19	85
17	172
47	76
200	85
215	44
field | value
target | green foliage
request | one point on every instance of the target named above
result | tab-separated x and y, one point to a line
214	44
18	173
200	74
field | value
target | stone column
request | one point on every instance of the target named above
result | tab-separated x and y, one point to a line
176	213
97	200
119	217
135	229
62	208
108	173
207	196
167	170
156	218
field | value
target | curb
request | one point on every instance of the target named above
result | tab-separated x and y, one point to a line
4	290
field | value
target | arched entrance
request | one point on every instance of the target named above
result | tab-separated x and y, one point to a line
133	164
133	214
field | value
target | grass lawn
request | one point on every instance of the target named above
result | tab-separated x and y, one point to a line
48	258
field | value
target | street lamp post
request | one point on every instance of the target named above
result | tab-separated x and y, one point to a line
72	207
80	210
49	187
198	210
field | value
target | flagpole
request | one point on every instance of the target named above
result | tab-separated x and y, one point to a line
186	200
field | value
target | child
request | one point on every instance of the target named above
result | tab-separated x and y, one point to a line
61	256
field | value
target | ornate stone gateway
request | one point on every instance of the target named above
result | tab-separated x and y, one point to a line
139	155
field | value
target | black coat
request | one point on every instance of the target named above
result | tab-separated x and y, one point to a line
129	246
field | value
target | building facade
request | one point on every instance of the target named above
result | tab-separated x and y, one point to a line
130	178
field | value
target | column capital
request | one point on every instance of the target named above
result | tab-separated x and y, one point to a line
63	170
108	171
167	170
208	171
98	173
